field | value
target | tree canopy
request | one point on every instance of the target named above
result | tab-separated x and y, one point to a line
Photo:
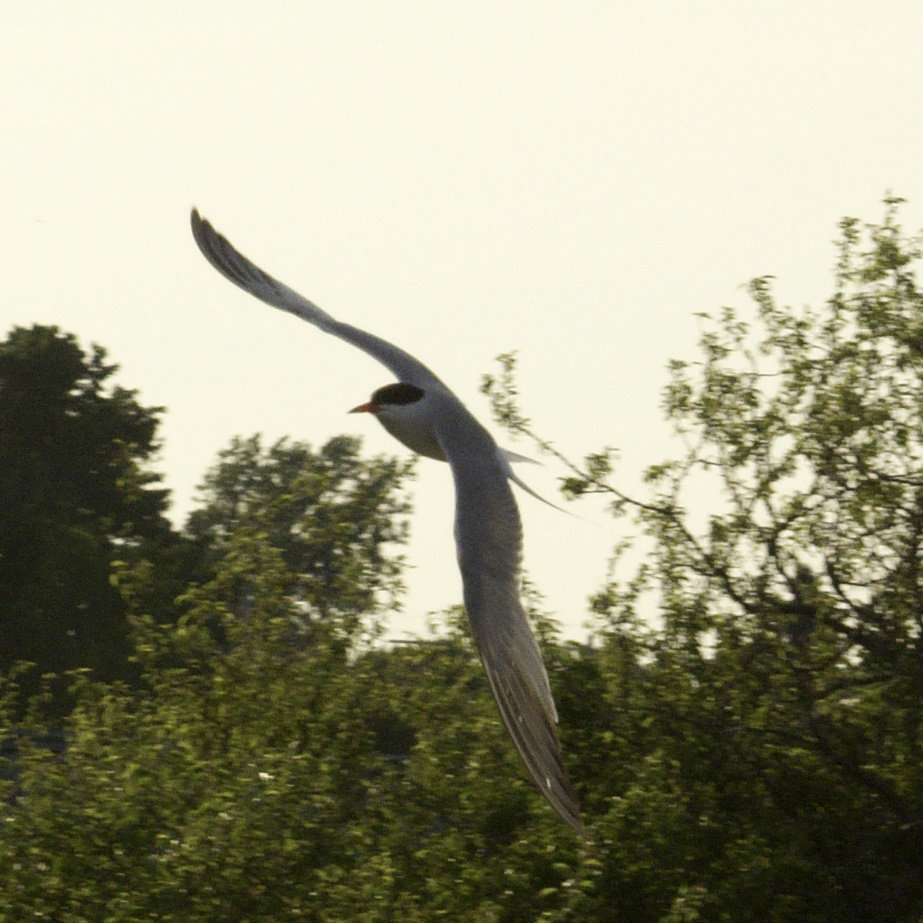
76	493
783	683
334	517
744	732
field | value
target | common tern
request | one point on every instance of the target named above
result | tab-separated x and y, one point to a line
422	413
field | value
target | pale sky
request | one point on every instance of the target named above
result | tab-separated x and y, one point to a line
570	180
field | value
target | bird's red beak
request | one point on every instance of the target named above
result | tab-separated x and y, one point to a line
370	407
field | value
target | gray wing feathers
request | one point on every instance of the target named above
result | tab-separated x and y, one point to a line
235	267
488	534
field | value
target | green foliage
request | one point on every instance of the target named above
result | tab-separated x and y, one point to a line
333	516
224	782
773	710
75	495
253	778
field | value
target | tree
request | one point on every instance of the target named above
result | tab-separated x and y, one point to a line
776	703
76	494
334	517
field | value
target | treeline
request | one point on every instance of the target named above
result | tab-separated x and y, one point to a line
231	743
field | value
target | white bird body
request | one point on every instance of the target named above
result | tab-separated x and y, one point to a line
424	415
412	425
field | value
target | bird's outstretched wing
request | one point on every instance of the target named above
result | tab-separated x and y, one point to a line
233	265
488	536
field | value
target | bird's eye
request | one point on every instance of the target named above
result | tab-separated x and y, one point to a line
399	393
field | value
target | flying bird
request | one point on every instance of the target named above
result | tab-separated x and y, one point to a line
422	413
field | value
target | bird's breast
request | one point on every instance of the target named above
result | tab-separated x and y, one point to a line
418	437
